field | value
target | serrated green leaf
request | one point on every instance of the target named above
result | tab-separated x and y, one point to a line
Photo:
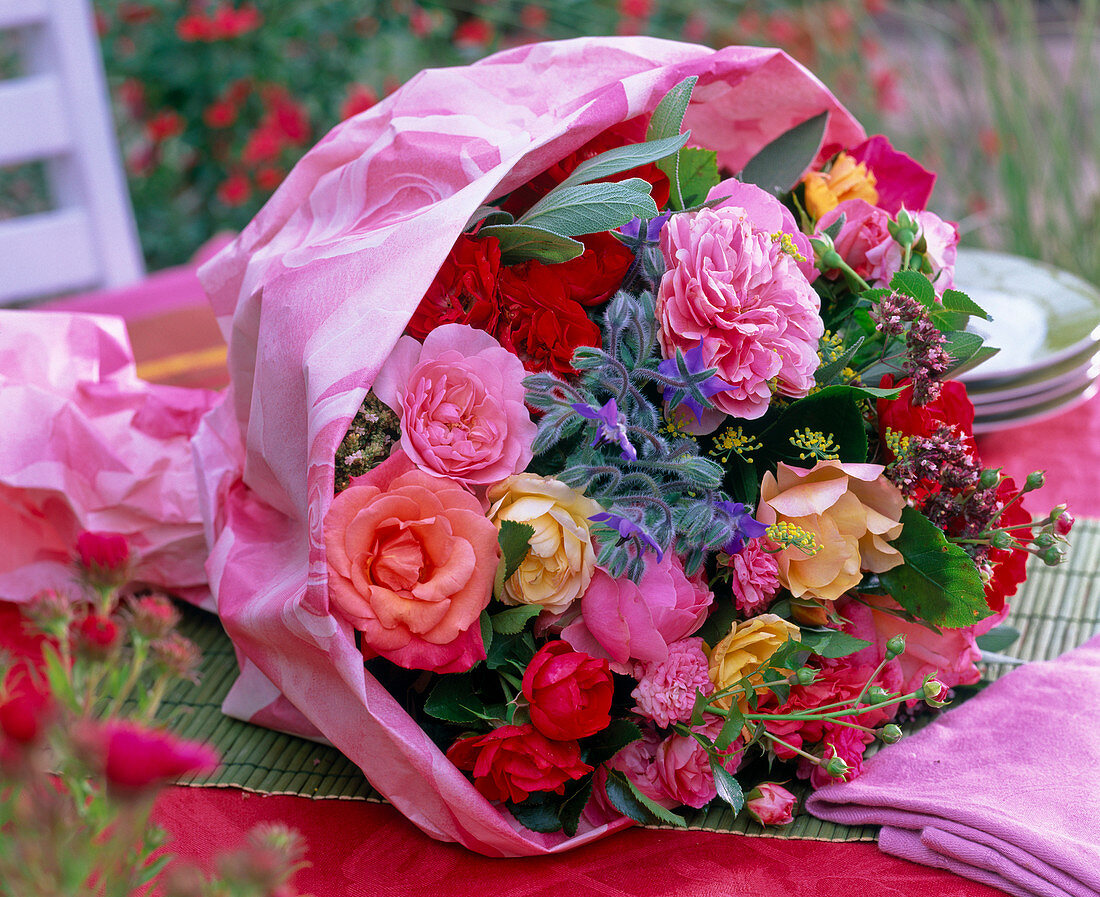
998	638
623	158
962	346
938	581
512	621
982	355
781	163
591	208
915	284
731	729
454	700
729	789
698	707
956	300
515	541
698	174
831	642
537	816
573	806
827	373
520	242
629	801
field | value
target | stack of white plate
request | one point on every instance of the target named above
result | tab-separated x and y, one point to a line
1046	323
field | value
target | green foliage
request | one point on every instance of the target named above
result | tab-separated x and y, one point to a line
938	581
831	642
779	164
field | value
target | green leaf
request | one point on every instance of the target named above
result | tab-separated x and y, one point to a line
520	242
511	650
536	815
982	355
623	158
591	208
998	638
669	114
698	707
488	215
515	541
834	411
962	346
574	805
512	621
833	231
729	789
454	700
698	175
487	624
955	300
831	642
629	801
827	373
915	284
731	729
781	163
606	743
938	581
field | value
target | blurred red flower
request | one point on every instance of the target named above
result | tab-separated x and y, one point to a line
235	190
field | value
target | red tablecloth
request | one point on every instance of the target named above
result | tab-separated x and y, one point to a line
358	848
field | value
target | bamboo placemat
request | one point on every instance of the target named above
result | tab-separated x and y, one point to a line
1057	609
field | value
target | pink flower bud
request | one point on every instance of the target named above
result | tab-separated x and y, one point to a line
104	557
95	636
1064	523
154	616
135	759
770	804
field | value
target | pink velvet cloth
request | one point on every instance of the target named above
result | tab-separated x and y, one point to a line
313	296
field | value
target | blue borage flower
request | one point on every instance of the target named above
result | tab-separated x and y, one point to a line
742	525
611	426
693	359
628	529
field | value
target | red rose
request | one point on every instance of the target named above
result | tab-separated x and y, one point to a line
952	407
513	761
542	324
26	706
96	635
596	275
1009	564
570	692
464	291
105	551
134	758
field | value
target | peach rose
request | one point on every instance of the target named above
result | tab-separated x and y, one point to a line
748	647
411	561
851	510
559	564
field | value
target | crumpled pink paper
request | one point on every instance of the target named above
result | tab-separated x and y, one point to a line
314	294
87	445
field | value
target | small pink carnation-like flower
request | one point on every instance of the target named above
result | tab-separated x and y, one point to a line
460	399
666	690
733	287
754	578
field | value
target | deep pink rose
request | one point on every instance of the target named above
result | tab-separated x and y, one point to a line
460	400
840	741
625	621
770	804
570	693
411	560
864	241
737	293
683	771
899	180
104	557
950	654
135	759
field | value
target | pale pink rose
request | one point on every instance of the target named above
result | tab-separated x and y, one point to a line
864	241
754	578
770	804
460	399
950	654
683	771
637	762
942	243
411	560
666	689
625	621
731	288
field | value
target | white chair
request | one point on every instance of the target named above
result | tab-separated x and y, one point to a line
58	113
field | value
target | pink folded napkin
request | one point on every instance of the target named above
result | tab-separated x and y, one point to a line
1004	790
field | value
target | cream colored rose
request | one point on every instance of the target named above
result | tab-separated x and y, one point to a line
747	648
852	511
559	564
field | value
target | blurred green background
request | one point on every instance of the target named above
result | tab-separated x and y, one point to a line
214	101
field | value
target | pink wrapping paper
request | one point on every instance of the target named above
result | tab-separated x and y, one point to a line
314	294
88	446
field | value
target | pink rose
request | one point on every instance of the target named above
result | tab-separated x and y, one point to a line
625	621
754	578
411	561
950	655
941	239
666	689
864	241
637	761
740	295
460	400
683	771
770	804
899	180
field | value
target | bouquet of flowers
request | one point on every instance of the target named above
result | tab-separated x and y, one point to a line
592	446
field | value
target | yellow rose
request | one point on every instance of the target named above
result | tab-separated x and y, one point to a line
847	179
851	510
559	564
747	648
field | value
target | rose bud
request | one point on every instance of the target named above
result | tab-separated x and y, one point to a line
770	804
570	693
1063	522
105	557
95	636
